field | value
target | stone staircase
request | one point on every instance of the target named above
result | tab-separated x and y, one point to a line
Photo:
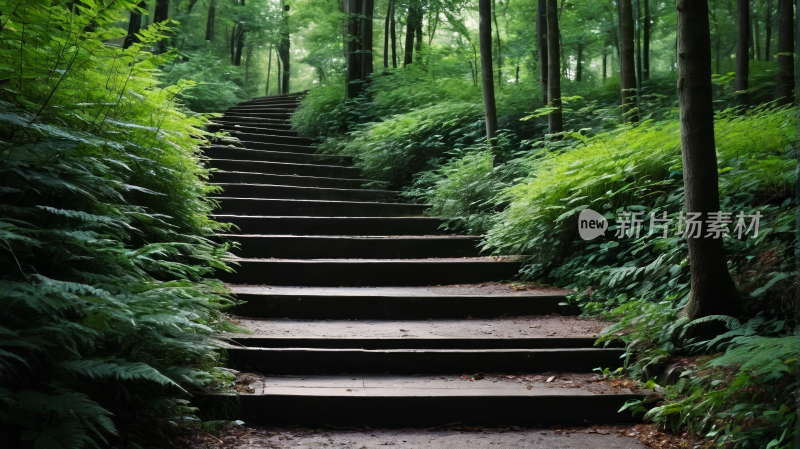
331	262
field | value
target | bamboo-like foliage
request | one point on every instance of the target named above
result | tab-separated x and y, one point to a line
104	219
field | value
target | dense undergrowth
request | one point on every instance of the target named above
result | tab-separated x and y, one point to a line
105	316
524	194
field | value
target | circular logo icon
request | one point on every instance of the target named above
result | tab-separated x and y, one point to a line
591	224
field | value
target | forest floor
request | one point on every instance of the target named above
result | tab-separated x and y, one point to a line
455	436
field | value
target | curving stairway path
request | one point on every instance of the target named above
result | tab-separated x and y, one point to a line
327	267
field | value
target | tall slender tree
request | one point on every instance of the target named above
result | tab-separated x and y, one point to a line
269	68
646	41
541	42
768	31
742	44
211	20
712	289
161	11
411	28
637	23
579	63
499	51
785	81
354	68
367	11
390	4
283	51
237	54
627	65
487	83
134	25
393	35
554	119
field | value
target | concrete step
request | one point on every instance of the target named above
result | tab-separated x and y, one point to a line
396	303
395	343
267	112
315	208
425	401
305	193
278	119
272	143
334	225
291	105
370	272
351	247
274	130
255	137
285	168
247	116
417	361
275	154
286	180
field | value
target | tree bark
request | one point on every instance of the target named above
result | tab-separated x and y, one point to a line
269	69
768	31
278	59
386	34
418	30
499	51
627	64
393	35
757	36
283	51
637	20
554	119
237	60
232	44
605	66
541	37
210	21
751	39
134	26
712	289
367	10
785	82
742	59
411	27
354	67
579	66
161	12
487	83
646	46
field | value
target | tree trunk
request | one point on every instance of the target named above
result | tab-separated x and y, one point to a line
367	10
751	39
278	59
742	60
386	34
161	12
605	66
134	26
247	62
646	47
418	30
712	289
579	67
232	45
499	51
237	60
541	35
283	51
564	66
411	27
269	69
785	82
768	31
393	35
354	68
212	16
717	49
554	119
637	21
487	83
757	36
627	64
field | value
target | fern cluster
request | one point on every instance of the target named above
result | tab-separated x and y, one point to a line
106	312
